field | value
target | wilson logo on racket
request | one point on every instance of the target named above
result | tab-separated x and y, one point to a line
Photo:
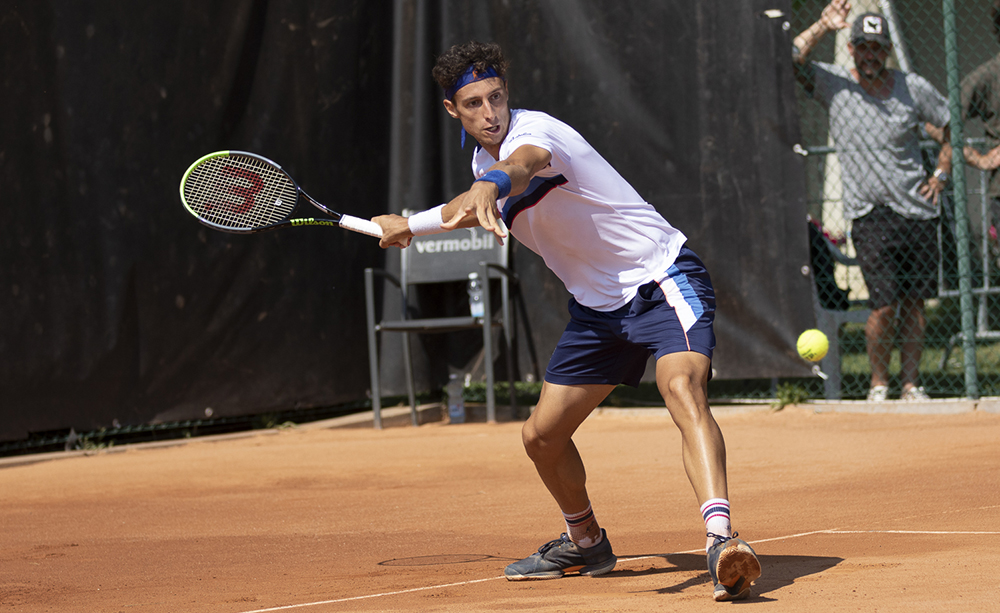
313	222
247	193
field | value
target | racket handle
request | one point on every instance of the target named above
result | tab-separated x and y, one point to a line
356	224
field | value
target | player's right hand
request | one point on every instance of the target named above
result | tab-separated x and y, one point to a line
395	231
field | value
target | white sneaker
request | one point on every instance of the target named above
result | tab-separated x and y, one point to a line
878	393
915	394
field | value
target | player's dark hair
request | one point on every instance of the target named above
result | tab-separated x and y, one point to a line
452	63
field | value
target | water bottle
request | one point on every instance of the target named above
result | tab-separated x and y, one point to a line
456	403
476	306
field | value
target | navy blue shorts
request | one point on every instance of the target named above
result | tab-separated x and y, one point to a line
614	347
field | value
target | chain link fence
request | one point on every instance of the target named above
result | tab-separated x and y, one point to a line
907	280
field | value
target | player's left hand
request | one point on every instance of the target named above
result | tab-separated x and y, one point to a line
480	203
931	189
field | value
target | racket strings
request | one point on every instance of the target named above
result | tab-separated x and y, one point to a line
239	192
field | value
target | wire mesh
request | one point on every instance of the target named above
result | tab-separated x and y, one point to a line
240	192
871	145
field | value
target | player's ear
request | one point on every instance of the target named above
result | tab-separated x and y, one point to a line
450	107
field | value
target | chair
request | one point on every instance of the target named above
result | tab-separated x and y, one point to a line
832	308
442	258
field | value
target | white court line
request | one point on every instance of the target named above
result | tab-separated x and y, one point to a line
958	533
461	583
416	589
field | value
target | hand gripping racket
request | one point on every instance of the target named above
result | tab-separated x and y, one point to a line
236	191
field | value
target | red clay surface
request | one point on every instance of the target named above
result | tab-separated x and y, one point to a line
848	512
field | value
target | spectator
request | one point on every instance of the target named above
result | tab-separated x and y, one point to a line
876	114
981	99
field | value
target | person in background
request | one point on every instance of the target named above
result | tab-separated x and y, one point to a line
981	100
876	115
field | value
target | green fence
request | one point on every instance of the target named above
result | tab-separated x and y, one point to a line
913	284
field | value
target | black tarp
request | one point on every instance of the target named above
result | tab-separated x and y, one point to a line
116	305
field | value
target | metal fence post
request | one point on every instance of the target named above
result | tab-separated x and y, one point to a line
961	201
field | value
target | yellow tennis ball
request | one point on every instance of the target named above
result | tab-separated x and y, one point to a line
812	345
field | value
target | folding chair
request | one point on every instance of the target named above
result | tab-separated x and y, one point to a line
442	258
832	308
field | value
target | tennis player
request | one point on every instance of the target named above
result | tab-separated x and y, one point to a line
637	290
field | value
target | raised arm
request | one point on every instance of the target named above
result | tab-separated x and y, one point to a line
833	18
475	207
508	177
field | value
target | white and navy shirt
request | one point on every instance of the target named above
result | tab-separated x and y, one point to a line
590	226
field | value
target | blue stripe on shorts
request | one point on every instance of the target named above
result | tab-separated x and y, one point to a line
614	347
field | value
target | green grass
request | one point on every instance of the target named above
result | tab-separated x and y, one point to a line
943	321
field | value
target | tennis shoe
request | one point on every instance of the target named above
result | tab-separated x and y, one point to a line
878	393
915	394
733	566
560	556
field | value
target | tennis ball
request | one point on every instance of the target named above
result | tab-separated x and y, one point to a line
812	345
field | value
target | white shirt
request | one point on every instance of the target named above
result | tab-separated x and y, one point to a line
590	226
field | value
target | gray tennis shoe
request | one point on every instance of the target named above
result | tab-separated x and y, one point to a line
733	565
560	556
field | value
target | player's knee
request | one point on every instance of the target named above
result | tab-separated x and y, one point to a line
536	445
679	388
685	398
531	439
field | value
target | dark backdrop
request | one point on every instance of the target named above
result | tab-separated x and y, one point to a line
119	308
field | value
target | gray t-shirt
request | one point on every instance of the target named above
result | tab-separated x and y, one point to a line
878	141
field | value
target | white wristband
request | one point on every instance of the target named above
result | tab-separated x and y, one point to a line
427	222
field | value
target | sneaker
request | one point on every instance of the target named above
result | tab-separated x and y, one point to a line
556	558
915	394
878	393
733	566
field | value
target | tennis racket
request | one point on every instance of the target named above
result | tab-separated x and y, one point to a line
244	193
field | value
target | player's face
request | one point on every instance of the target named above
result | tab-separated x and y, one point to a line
482	108
869	58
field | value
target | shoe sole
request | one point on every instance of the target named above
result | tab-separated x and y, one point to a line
588	571
737	568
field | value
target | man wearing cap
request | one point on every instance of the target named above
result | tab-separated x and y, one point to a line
876	116
637	291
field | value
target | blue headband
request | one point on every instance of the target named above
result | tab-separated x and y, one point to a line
469	76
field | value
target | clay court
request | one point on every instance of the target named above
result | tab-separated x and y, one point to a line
848	512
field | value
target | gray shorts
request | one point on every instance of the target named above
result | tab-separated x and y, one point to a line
898	256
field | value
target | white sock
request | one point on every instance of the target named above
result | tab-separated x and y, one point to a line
715	512
579	524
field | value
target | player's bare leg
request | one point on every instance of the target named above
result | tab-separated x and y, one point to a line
548	440
879	331
911	333
547	437
682	379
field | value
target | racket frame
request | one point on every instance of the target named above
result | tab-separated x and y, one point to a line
348	222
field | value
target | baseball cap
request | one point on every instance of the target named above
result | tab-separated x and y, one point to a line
871	27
